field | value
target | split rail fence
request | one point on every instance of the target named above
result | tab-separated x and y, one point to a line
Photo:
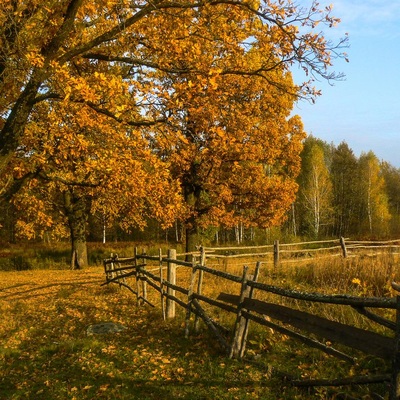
160	273
286	253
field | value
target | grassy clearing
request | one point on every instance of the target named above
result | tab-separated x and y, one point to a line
46	353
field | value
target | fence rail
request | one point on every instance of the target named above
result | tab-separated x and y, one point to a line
149	271
286	253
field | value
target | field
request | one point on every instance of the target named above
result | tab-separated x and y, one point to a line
46	352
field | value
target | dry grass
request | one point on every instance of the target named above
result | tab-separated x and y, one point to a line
45	352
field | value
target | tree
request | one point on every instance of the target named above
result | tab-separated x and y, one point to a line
238	153
95	65
343	173
391	176
315	194
373	206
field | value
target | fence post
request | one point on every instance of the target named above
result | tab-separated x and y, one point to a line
276	253
199	284
240	321
246	326
395	379
190	296
161	283
171	278
343	245
137	276
144	277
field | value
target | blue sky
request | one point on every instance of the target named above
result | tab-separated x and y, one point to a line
364	109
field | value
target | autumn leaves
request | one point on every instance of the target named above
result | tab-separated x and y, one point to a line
160	110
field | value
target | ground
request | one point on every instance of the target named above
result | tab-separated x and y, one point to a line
46	353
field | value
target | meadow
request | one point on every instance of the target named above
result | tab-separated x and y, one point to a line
47	353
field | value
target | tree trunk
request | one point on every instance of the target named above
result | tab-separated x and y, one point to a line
191	237
75	208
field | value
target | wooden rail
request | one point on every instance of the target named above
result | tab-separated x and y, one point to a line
282	253
150	271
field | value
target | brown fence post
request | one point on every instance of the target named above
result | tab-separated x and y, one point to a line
343	245
199	284
190	296
240	321
171	278
276	253
246	326
160	262
137	276
144	283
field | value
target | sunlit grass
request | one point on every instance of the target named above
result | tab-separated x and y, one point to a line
46	353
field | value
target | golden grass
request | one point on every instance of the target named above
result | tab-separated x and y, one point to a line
45	351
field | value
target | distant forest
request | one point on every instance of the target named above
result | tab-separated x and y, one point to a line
339	194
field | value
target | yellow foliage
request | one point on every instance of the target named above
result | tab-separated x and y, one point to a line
130	106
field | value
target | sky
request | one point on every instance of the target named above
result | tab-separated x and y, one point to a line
364	109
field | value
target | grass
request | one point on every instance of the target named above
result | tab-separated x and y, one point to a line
46	353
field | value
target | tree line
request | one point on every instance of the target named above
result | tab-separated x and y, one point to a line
344	195
116	113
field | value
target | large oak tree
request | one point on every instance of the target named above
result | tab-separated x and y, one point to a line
84	94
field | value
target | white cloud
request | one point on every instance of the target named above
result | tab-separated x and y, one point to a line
368	17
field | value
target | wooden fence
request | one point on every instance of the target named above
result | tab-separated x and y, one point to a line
286	253
160	273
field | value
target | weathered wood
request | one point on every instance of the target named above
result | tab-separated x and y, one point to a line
121	260
210	324
301	338
354	380
220	274
200	284
171	277
240	322
376	318
135	254
343	246
160	264
379	302
117	278
144	281
125	268
357	338
246	326
276	253
212	302
190	297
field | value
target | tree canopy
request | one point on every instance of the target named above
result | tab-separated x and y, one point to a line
97	96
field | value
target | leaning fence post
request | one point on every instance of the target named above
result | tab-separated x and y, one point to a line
171	278
240	321
246	326
343	246
200	283
395	379
276	253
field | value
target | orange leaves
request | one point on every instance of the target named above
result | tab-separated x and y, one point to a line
161	98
